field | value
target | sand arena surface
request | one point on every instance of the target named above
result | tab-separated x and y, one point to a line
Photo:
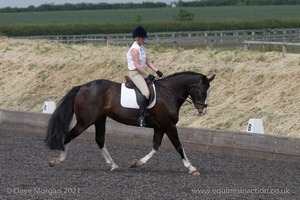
247	84
25	173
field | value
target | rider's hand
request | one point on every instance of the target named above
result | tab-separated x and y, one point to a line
159	73
151	77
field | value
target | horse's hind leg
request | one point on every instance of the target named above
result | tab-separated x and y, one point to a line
100	139
173	136
76	131
61	157
157	138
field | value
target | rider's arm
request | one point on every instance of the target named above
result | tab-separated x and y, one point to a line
135	58
150	64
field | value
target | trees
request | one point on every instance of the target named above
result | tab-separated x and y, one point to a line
85	6
204	3
130	5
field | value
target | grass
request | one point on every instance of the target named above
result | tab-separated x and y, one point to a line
226	13
247	84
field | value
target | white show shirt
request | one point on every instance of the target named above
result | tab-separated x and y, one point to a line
142	56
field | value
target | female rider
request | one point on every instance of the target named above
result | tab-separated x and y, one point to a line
137	60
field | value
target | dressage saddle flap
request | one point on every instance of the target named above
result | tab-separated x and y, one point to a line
131	85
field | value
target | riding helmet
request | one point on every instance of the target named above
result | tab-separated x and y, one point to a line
139	32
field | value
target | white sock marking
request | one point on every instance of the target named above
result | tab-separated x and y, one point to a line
147	157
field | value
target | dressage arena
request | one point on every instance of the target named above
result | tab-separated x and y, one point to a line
25	172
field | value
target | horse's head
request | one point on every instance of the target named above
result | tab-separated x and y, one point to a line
199	93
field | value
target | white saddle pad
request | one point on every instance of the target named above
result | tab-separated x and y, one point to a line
128	98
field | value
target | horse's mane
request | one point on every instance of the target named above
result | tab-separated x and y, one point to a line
189	73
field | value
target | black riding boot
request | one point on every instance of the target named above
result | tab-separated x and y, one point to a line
142	113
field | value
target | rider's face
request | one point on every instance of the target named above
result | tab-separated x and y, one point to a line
140	40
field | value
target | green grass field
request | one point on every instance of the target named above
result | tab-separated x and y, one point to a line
151	15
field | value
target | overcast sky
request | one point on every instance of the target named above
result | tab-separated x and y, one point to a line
26	3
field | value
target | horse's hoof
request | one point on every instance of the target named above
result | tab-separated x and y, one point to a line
195	173
114	169
135	163
52	163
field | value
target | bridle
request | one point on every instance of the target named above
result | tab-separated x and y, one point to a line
198	91
203	105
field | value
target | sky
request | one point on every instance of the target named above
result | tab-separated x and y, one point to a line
26	3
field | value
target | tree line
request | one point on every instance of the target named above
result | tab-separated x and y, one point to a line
205	3
99	6
85	6
92	28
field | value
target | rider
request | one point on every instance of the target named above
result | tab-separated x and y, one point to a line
137	61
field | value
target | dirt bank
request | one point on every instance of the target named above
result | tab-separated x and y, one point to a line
247	85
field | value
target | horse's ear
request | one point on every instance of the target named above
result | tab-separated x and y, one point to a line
211	78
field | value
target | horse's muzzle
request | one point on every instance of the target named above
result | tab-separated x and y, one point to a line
200	109
200	112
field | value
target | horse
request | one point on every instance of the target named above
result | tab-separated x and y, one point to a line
96	100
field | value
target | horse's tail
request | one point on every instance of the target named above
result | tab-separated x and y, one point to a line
59	123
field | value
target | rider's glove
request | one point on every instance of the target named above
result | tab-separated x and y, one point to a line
151	77
159	73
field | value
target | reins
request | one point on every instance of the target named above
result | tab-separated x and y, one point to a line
189	99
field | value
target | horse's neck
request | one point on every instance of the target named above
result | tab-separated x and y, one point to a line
178	88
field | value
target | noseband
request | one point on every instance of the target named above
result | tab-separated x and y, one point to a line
196	103
202	105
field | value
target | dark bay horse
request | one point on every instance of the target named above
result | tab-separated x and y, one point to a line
94	101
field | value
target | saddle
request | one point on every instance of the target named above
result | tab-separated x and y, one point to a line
131	85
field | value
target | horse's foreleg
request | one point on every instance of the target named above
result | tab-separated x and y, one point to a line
157	138
61	157
192	170
108	159
173	136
